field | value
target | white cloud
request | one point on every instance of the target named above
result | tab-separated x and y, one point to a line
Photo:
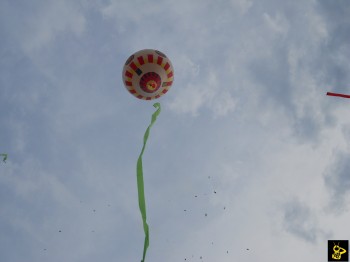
337	180
278	23
242	5
301	222
48	21
211	93
28	180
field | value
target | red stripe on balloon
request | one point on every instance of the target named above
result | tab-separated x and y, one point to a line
133	66
170	74
167	83
339	95
128	74
159	60
166	67
140	59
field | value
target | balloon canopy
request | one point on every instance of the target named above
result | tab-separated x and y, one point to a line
148	74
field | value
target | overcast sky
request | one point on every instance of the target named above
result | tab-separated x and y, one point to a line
247	153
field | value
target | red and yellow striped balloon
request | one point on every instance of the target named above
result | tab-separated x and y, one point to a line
148	74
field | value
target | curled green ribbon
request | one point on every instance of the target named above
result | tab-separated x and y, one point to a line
140	184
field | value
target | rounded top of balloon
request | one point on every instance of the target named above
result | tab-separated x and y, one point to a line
148	74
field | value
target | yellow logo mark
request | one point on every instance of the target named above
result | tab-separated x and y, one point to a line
338	251
151	85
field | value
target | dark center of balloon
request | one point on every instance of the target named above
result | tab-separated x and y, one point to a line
150	82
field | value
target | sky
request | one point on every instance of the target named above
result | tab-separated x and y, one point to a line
248	160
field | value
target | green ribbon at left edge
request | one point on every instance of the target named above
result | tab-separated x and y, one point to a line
140	184
5	157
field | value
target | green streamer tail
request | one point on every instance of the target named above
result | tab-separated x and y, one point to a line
5	157
140	184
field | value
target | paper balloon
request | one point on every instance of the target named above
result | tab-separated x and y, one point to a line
148	74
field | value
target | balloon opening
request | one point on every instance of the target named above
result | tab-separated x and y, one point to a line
150	82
